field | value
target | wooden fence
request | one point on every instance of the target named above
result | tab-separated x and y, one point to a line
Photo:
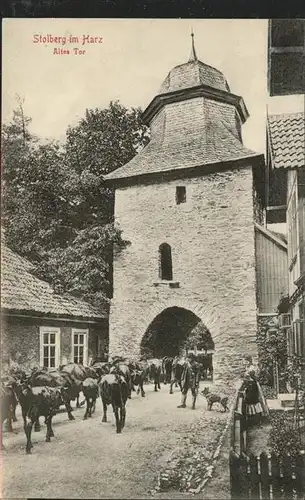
239	428
267	476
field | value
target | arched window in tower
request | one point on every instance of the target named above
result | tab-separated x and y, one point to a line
165	262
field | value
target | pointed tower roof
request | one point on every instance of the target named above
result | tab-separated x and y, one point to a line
195	123
193	55
193	73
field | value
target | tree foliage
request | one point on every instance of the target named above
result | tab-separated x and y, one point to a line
199	337
284	438
272	347
57	210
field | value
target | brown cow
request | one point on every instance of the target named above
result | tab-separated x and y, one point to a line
36	402
155	370
177	370
79	373
90	391
114	391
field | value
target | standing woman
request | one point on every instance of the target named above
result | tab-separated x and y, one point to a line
255	403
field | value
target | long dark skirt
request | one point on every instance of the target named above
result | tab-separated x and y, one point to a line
253	405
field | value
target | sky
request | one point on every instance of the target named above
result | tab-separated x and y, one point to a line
128	62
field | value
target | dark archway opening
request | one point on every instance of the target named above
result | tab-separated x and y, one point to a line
172	332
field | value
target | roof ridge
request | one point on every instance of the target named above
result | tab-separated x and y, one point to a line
297	114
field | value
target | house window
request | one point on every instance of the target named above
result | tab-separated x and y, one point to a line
165	262
180	194
49	347
80	346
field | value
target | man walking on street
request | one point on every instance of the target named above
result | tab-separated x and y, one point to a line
190	380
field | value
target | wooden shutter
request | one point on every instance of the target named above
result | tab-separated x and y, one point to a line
286	57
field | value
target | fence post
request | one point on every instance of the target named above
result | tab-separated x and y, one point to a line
239	476
276	476
287	473
265	481
254	477
239	434
234	480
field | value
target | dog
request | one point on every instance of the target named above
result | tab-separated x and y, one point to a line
215	398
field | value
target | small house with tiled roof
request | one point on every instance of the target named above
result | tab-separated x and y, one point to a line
192	203
40	327
286	199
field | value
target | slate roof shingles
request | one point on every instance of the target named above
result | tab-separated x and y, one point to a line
221	146
191	74
287	139
201	143
22	291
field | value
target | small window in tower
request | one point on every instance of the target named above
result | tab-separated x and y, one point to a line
165	262
180	194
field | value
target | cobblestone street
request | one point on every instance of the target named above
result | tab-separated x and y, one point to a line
88	459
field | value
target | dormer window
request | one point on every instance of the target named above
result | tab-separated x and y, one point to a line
180	194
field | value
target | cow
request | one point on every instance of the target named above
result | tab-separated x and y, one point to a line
206	361
36	402
139	372
8	399
114	391
177	370
78	373
90	391
11	378
61	380
122	369
167	364
101	367
137	381
155	370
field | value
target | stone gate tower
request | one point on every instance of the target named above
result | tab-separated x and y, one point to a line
187	203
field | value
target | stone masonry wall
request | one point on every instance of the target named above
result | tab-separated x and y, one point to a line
212	241
20	339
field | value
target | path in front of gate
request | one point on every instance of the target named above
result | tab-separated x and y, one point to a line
87	459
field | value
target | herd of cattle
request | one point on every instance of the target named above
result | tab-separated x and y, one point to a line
41	392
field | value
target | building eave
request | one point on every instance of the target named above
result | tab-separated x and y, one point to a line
269	144
270	236
189	172
51	316
191	93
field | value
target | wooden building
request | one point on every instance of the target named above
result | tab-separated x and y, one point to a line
286	161
40	327
271	270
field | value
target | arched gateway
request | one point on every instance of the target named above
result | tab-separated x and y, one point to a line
173	331
187	204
